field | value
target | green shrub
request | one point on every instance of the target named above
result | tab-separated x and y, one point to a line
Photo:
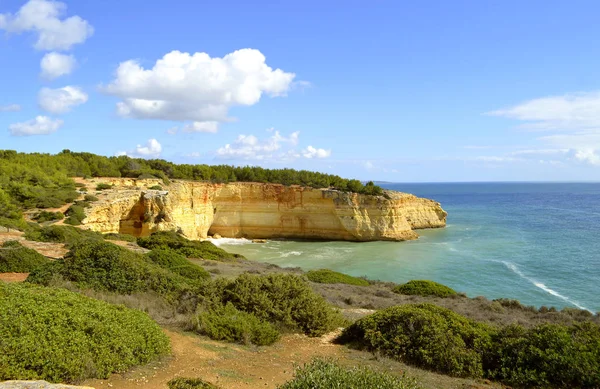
75	215
424	335
61	234
231	325
123	237
103	186
105	266
190	383
326	276
424	288
186	247
325	374
156	187
45	216
15	224
61	336
14	258
177	263
90	198
548	355
283	299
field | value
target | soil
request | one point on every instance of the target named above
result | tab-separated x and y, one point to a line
13	277
223	364
234	366
50	250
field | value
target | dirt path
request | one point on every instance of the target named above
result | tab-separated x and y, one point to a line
226	365
13	277
52	250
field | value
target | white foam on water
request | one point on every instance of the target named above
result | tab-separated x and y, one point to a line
287	254
542	286
228	241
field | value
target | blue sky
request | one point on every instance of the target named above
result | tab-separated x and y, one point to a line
385	90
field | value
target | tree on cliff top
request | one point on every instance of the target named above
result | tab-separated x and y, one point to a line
39	180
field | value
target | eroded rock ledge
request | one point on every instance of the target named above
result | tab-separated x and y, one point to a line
260	211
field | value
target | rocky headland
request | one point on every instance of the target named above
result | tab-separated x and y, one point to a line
258	211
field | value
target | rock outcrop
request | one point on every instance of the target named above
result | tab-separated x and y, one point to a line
259	211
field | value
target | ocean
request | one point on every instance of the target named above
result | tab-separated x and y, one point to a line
538	243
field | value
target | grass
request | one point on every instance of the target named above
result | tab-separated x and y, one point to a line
60	336
103	186
190	383
326	276
424	288
75	215
177	263
46	216
60	234
283	299
431	337
326	374
187	248
122	237
14	258
104	266
424	335
226	323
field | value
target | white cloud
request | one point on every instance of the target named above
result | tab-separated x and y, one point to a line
571	111
10	108
41	125
276	147
151	149
173	130
311	152
61	100
211	127
54	65
574	117
368	165
590	156
195	87
535	152
44	18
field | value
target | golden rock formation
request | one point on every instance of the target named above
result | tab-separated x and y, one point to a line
260	211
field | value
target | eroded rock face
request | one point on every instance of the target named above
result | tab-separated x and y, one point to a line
37	385
259	211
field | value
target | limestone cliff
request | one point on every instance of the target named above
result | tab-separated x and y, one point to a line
255	210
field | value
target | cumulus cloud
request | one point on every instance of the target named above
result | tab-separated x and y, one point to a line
41	125
276	148
589	156
195	87
61	100
44	17
55	65
311	152
572	111
201	127
151	149
10	108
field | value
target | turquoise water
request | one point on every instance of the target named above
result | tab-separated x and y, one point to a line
538	243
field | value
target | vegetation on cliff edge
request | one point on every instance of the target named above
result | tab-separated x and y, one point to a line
322	373
425	288
14	258
39	180
326	276
425	335
188	248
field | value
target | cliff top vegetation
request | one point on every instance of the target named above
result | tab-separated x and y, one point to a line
36	180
